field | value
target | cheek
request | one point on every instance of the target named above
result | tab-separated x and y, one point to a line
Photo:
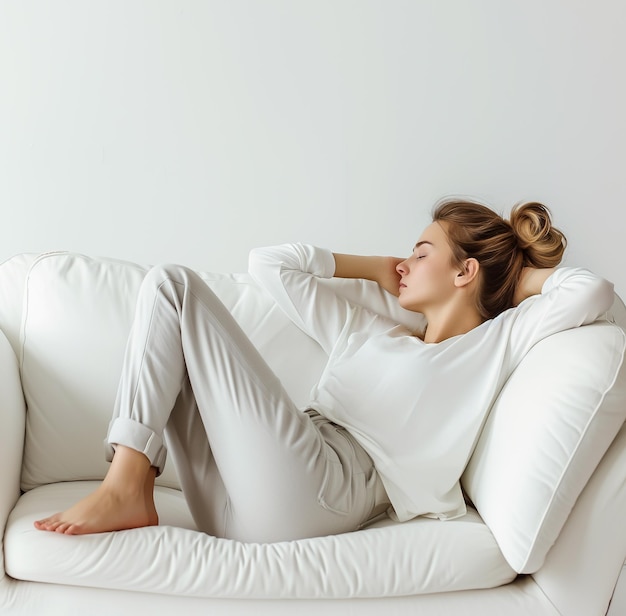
430	272
437	279
441	270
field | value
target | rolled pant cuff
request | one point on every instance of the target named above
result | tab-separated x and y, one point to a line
135	435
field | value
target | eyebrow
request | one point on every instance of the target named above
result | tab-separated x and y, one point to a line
421	244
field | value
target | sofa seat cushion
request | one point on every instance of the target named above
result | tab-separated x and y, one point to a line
385	559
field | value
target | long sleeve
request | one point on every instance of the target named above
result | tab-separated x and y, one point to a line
293	275
570	297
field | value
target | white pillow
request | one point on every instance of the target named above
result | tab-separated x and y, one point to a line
76	318
546	433
77	314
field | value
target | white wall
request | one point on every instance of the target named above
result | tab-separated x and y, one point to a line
192	130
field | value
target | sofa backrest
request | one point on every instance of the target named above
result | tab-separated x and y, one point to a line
13	273
550	426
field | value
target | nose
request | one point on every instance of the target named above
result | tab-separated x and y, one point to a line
401	268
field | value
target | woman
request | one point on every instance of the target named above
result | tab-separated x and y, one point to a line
395	415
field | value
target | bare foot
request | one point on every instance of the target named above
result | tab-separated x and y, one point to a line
102	511
124	500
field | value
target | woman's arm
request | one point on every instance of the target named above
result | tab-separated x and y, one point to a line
294	276
379	269
531	283
568	297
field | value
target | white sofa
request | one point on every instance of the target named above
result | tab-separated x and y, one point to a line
545	532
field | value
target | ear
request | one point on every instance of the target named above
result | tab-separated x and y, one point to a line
468	274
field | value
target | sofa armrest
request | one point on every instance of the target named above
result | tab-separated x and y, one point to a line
583	566
12	426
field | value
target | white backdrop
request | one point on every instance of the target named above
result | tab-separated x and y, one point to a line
192	130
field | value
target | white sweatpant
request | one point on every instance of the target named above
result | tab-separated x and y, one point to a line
251	465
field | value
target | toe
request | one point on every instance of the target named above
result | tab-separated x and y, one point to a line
46	523
61	527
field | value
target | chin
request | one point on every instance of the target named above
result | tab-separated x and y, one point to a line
407	305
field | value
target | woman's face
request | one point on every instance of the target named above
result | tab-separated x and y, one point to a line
427	276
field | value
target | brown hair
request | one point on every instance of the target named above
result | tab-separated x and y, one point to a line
501	247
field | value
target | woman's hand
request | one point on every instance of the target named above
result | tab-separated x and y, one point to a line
379	269
388	278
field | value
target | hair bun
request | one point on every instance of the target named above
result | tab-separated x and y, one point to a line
542	243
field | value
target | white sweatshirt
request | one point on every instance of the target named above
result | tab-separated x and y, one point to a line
417	408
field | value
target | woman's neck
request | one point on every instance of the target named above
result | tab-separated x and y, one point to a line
446	324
